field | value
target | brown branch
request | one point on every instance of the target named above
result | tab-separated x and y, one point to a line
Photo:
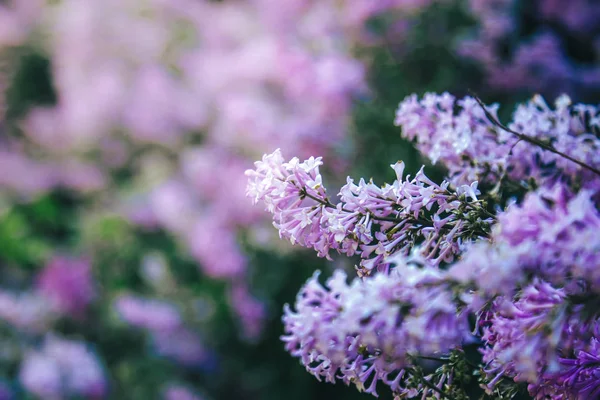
534	141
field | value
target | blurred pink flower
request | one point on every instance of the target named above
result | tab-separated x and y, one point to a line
251	312
178	392
17	18
68	284
63	368
27	311
151	314
216	249
182	345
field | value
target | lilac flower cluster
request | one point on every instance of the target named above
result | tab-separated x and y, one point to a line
369	331
458	134
543	338
374	222
527	275
551	235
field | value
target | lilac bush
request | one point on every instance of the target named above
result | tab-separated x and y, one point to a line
133	265
458	134
502	256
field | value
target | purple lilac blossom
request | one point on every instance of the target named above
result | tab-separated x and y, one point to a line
63	368
370	330
458	134
539	271
523	334
375	222
551	235
530	281
68	284
543	338
579	375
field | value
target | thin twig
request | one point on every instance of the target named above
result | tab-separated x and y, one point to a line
423	222
438	359
534	141
325	202
429	384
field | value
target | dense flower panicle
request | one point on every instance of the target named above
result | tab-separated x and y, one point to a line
375	222
580	374
368	331
458	134
552	235
197	87
524	334
543	338
61	369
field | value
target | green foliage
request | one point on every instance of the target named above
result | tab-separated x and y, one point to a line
31	84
